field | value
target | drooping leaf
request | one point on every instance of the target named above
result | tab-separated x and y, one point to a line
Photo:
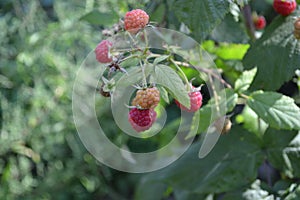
276	55
201	16
160	59
223	169
244	81
277	110
168	78
163	93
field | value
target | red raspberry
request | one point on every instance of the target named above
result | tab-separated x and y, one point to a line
195	100
102	51
135	20
284	7
141	120
146	98
260	22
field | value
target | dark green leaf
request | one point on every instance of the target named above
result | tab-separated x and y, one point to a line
201	16
276	55
225	168
149	191
277	110
275	141
230	31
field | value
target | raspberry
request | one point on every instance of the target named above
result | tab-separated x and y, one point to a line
260	22
284	7
102	51
195	100
297	29
135	20
146	98
141	120
297	24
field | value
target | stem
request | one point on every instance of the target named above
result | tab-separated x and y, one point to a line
214	93
207	71
246	10
146	42
144	75
183	74
244	96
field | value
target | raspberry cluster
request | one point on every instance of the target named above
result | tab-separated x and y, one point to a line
133	21
143	115
195	101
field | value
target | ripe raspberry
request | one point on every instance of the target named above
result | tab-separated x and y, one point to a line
284	7
146	98
260	22
195	100
141	120
102	51
135	20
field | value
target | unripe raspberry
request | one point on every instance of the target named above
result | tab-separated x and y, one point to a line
102	51
146	98
141	120
297	29
195	101
135	20
260	22
284	7
297	24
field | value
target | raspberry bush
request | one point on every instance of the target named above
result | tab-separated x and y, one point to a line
257	154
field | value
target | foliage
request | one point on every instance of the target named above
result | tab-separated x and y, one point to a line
43	44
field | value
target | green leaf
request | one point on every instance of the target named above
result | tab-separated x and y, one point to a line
294	193
168	78
201	16
163	93
205	111
150	191
232	51
233	162
194	125
244	81
230	31
96	17
276	55
160	59
277	110
251	121
277	147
